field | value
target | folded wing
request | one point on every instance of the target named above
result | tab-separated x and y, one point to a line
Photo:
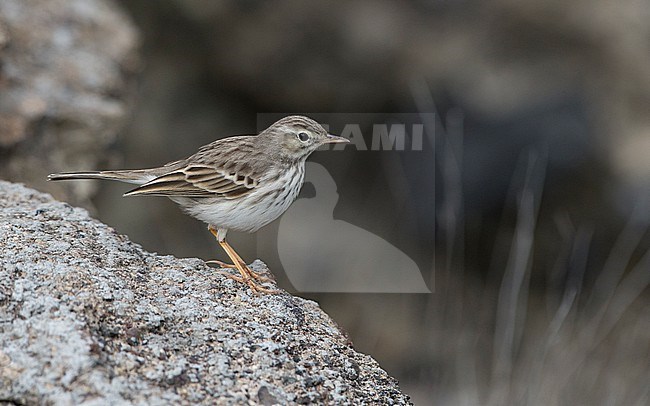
196	180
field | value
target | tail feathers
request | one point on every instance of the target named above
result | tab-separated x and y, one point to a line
129	176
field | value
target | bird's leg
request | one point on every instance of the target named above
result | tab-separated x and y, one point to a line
247	275
221	264
234	257
238	259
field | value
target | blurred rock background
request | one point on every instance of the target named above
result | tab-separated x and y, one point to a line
534	220
65	88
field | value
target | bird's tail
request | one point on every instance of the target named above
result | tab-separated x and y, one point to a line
137	177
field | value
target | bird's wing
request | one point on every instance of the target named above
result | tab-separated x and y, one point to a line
199	180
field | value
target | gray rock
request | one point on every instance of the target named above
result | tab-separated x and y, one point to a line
65	88
88	317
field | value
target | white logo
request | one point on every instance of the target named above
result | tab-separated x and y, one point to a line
336	256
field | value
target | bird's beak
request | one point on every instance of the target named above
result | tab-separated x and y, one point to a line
334	139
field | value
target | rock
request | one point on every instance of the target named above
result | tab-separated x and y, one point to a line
65	67
87	316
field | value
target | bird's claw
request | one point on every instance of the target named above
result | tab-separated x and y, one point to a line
221	264
255	287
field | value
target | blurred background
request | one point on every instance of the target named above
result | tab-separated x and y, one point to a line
526	210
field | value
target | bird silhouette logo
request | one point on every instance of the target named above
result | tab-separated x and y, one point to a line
339	256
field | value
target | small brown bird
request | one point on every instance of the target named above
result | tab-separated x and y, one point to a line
236	183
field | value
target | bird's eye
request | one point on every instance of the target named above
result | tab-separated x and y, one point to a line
302	136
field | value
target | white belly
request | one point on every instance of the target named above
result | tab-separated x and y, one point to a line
250	212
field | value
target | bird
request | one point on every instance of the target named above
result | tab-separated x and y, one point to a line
239	183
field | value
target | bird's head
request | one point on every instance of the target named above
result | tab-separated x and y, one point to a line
299	136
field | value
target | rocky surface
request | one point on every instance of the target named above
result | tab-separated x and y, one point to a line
88	317
65	67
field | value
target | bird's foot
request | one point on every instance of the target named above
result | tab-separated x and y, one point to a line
221	264
259	276
249	280
250	274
